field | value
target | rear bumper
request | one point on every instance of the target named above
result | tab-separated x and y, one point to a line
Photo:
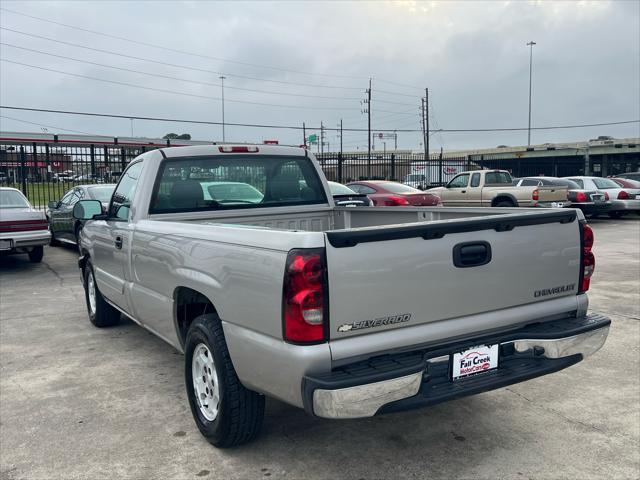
420	378
593	207
19	240
625	205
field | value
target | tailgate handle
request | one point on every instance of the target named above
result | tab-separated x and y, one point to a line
471	254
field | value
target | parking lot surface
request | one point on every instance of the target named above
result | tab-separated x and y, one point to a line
81	402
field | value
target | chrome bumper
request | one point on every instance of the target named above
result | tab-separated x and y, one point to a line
365	400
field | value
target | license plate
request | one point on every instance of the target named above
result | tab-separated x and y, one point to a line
557	204
475	360
6	244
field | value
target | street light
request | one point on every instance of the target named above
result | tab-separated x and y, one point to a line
530	45
222	77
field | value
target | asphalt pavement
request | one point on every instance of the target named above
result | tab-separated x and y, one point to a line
82	402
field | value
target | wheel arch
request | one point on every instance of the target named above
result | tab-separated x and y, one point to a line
504	197
189	304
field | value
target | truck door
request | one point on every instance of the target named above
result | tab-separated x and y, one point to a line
456	192
474	198
112	244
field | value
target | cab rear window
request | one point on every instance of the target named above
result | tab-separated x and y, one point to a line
236	182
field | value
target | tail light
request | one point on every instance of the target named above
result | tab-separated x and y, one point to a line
535	195
396	201
588	263
581	197
606	196
304	303
238	149
23	225
623	195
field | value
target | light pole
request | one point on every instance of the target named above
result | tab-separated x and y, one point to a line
222	77
530	45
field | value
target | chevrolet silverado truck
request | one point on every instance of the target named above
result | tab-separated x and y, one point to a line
495	188
344	312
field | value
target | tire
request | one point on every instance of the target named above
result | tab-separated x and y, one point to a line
237	416
615	214
504	203
36	254
101	314
78	230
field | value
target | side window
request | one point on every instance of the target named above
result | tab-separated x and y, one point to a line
475	179
578	181
527	182
124	193
76	196
460	181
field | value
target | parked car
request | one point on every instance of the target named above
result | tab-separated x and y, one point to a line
494	188
343	196
23	229
630	176
343	312
63	227
394	194
631	186
622	201
591	202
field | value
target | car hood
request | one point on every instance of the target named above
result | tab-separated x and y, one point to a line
11	214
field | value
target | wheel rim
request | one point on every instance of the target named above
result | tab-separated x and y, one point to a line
91	293
205	382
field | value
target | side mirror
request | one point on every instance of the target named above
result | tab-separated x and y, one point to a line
53	205
87	209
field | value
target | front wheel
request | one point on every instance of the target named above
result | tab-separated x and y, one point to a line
505	204
36	254
101	314
226	413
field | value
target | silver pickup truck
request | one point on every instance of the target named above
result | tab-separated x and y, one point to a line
237	256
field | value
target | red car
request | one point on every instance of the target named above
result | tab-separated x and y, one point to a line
394	194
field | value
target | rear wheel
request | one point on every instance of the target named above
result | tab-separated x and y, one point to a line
101	314
36	254
226	413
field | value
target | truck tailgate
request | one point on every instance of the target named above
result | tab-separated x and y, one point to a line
391	277
552	194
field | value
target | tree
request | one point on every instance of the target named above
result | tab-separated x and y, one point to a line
175	136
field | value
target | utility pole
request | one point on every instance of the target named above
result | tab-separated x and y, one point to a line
222	77
340	136
369	129
426	121
395	140
530	45
304	135
424	132
321	138
131	126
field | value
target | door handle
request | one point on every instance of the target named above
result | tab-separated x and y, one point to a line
471	254
118	242
463	191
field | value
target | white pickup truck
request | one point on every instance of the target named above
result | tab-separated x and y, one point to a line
237	256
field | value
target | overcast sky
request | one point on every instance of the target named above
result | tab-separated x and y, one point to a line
472	56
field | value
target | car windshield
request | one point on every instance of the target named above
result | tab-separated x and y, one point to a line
231	181
231	191
102	193
12	199
394	187
605	183
339	189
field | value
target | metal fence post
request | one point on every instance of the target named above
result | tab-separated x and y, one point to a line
93	160
23	176
340	167
439	168
123	159
393	166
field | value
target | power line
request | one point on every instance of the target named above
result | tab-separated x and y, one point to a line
295	127
173	78
111	52
162	90
184	52
45	126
